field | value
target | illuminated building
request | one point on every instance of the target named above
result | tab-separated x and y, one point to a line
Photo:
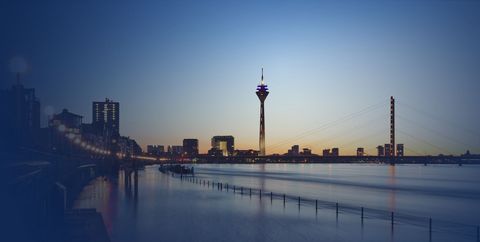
226	144
106	118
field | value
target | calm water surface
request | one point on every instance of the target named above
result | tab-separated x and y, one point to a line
158	207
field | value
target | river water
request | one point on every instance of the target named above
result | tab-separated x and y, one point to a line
151	206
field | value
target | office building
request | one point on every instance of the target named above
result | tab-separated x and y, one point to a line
335	152
360	152
380	151
106	118
326	152
388	150
400	150
20	118
295	150
224	143
190	147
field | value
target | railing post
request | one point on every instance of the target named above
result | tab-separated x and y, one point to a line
298	201
336	208
316	205
250	193
362	215
260	194
430	228
271	197
284	200
241	190
478	233
392	218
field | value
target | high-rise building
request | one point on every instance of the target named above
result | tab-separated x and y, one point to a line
262	93
400	150
326	152
306	151
380	151
190	147
20	118
388	150
106	118
360	151
224	143
335	152
295	150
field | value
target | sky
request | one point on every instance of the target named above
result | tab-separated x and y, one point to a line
189	69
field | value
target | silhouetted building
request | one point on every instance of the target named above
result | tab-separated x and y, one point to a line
360	151
388	150
20	116
295	150
106	118
155	150
66	132
129	147
262	93
400	150
176	149
246	153
190	147
326	152
224	143
335	152
306	151
380	151
67	120
215	152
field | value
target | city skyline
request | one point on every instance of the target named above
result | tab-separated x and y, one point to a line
318	77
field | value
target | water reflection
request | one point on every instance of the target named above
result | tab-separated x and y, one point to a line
138	204
392	182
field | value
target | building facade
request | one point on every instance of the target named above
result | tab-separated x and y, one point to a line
190	147
224	143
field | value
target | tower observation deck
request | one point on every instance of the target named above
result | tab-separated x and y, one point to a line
262	93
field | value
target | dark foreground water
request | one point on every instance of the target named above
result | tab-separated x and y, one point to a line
158	207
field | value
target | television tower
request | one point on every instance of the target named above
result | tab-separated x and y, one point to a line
262	93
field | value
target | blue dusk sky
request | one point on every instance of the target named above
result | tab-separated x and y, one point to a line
189	69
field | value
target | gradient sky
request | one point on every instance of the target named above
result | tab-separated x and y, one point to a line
189	69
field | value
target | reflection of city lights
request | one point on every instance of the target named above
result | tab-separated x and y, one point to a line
84	144
77	141
61	128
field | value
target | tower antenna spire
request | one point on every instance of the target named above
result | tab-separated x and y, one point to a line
262	77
